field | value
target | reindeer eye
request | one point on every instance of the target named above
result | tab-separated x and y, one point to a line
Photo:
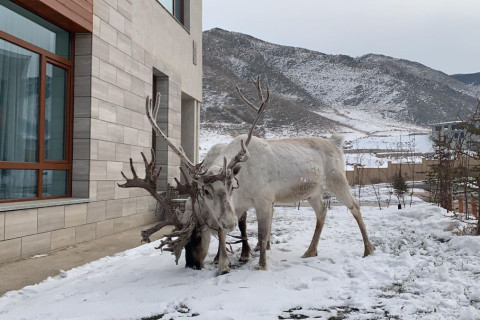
206	192
236	170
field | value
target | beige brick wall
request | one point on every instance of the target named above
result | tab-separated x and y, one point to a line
20	223
35	244
114	69
10	250
62	238
2	226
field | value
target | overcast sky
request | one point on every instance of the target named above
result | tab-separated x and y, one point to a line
441	34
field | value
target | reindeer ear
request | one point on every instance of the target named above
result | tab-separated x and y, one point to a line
236	169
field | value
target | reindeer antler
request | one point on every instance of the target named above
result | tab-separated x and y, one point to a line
149	182
243	154
178	238
182	232
152	112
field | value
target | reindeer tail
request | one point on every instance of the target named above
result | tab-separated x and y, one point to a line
337	140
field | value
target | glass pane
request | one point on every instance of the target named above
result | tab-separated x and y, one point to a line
54	183
179	10
27	26
55	102
168	4
19	89
18	184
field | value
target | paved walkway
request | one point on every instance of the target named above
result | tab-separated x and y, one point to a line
16	275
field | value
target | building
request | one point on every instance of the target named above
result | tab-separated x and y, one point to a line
451	130
455	132
74	75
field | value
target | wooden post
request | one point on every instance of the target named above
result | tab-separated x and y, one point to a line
474	207
460	204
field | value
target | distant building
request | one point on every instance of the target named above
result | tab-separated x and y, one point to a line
74	75
452	131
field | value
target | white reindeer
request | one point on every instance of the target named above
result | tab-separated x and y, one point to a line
285	170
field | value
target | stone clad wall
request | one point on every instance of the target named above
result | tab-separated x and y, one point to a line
114	72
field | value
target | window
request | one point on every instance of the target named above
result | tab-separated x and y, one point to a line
457	127
35	106
176	8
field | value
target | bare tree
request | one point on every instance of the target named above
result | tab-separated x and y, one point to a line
359	169
442	173
472	147
411	148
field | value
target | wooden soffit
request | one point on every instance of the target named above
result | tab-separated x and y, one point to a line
71	15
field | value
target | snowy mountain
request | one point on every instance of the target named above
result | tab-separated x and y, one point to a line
316	93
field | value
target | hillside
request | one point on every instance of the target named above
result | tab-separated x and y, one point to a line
316	93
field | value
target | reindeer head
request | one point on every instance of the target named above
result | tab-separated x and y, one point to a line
216	188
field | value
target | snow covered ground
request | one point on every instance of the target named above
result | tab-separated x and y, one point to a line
420	270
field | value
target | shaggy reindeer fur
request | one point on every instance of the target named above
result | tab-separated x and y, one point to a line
286	170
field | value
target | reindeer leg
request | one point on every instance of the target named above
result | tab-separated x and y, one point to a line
264	216
321	213
270	229
223	261
369	247
257	247
215	260
242	225
339	186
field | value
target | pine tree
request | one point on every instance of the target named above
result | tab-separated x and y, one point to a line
399	186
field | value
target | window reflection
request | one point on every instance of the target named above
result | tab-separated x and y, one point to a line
29	27
175	7
54	183
167	4
18	184
19	89
55	101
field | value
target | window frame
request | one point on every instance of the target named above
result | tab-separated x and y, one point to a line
43	164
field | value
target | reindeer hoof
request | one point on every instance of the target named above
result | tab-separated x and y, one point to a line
245	256
310	254
223	267
223	271
369	249
260	267
244	259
